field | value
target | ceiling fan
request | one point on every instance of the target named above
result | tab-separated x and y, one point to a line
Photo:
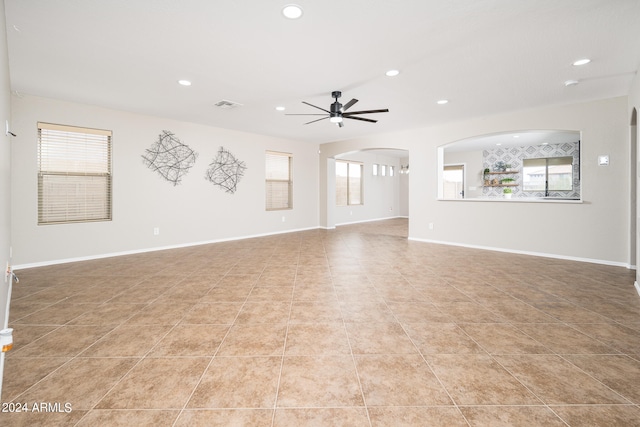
337	111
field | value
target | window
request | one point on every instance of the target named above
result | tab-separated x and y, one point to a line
547	174
375	169
74	174
391	171
383	170
348	183
279	181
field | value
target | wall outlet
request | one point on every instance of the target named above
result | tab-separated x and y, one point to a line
430	226
284	219
156	231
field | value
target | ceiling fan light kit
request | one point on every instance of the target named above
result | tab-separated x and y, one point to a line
337	112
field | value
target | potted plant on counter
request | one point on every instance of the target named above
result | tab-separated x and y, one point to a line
507	181
507	193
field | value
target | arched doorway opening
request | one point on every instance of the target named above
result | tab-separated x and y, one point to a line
367	185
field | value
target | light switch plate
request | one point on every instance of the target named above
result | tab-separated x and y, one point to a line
603	160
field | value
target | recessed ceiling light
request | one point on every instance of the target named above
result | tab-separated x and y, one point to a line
442	102
571	83
280	108
582	61
516	136
184	82
498	143
392	73
292	11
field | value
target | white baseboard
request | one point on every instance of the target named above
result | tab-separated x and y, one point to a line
177	246
153	249
514	251
184	245
637	287
369	220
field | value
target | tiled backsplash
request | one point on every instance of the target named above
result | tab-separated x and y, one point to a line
514	157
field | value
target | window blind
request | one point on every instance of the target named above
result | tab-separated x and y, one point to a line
279	181
74	174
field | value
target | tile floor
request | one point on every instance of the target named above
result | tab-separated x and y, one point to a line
350	327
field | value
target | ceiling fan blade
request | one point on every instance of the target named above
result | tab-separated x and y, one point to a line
385	110
317	120
360	118
315	106
302	114
349	104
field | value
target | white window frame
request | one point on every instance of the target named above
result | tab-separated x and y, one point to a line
349	201
74	174
545	164
277	179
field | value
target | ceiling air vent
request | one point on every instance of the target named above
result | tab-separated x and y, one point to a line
227	105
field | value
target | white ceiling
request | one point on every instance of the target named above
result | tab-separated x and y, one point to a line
485	56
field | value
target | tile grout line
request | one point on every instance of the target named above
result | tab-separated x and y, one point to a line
140	359
212	358
284	347
353	357
498	362
455	404
71	358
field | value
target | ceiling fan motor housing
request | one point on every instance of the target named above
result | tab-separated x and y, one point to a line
336	107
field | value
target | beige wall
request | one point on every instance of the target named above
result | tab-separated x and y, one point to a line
597	229
192	212
5	167
5	182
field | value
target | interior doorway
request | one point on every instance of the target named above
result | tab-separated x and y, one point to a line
384	183
453	181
